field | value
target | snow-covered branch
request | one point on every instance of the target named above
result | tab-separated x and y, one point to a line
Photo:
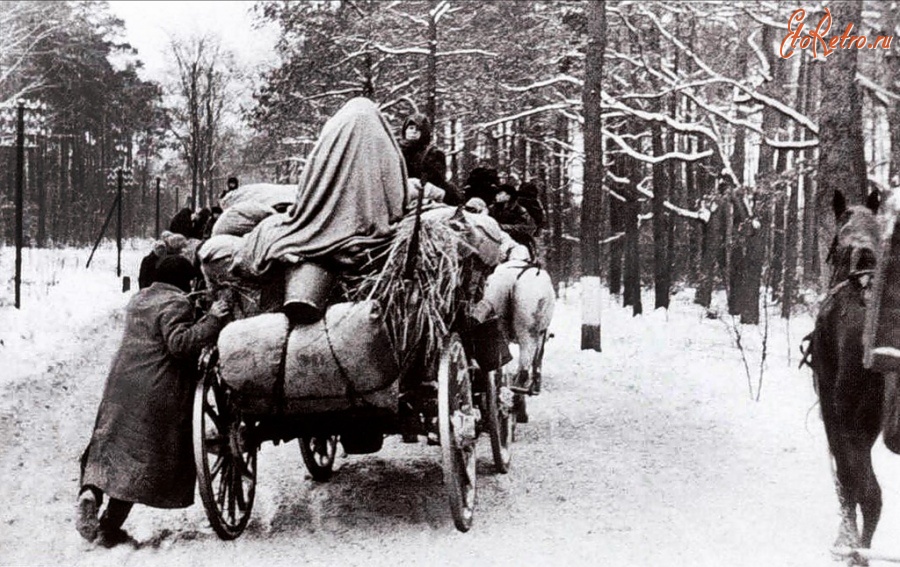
546	83
615	195
401	51
883	95
606	240
654	159
681	127
791	144
616	178
759	97
760	56
391	103
701	215
425	51
419	21
537	110
339	92
466	52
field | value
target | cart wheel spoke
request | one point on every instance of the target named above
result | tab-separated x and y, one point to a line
212	414
217	467
223	487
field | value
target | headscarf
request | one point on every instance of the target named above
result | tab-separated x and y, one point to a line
421	121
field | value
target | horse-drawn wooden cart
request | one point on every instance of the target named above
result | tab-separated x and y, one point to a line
333	382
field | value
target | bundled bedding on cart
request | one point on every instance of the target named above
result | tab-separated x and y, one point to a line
384	283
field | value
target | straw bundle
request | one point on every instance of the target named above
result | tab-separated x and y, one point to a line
421	309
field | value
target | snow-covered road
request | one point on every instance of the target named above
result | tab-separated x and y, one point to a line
650	453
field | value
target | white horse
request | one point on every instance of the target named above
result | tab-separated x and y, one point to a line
524	299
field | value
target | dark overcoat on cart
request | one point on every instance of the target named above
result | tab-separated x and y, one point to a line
141	448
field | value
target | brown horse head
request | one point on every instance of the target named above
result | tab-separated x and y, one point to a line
855	245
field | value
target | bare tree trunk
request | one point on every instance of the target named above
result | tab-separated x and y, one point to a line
632	295
810	248
892	75
790	255
616	247
777	243
193	102
593	178
661	267
431	65
754	257
64	189
556	222
41	152
467	160
842	163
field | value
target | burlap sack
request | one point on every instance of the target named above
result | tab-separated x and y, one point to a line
241	218
267	194
216	255
250	355
341	361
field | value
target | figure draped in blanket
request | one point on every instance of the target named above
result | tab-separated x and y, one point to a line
351	193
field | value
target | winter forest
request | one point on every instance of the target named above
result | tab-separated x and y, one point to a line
686	155
708	172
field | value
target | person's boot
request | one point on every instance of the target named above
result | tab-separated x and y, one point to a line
87	523
110	532
519	409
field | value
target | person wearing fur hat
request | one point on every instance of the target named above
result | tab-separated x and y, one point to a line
425	162
482	184
512	217
182	222
529	198
141	450
147	273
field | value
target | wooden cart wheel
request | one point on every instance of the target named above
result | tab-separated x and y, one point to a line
318	455
224	453
456	425
499	417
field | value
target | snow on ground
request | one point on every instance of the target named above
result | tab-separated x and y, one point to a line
60	299
652	452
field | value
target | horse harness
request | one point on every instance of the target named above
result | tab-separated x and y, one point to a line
510	299
863	280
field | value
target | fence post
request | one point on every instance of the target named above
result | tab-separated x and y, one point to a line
20	188
119	222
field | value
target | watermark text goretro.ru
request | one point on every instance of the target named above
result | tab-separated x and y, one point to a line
817	41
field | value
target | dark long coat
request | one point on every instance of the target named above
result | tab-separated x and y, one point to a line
141	448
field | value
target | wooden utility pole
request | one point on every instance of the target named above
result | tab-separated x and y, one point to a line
20	199
157	207
119	222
